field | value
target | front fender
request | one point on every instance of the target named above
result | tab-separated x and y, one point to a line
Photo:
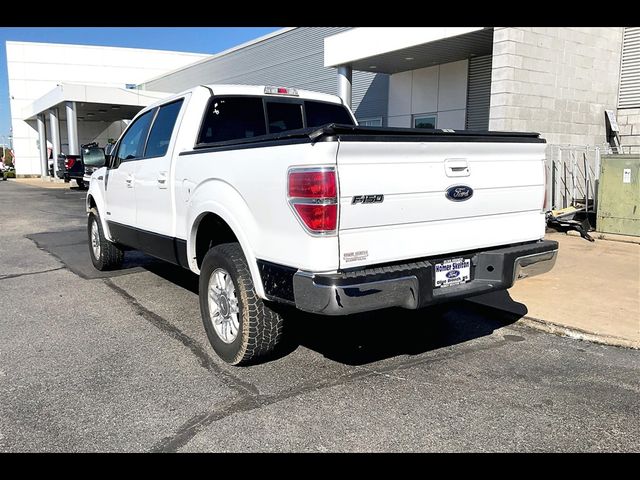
96	191
220	198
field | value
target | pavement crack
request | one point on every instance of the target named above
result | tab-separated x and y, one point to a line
16	275
249	402
244	404
198	351
383	374
196	423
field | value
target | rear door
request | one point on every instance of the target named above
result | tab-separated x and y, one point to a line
120	178
154	181
403	200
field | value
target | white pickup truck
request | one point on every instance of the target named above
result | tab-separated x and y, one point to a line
272	194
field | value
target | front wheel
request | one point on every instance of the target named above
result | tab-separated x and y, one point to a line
104	254
240	326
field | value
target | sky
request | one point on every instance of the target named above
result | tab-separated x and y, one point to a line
191	39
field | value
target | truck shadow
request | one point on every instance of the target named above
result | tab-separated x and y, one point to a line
372	336
72	249
352	340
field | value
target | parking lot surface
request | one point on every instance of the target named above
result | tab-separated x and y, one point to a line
119	361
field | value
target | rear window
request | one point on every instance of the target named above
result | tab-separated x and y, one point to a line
231	118
319	113
284	116
235	118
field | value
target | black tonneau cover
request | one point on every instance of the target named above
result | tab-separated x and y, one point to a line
352	133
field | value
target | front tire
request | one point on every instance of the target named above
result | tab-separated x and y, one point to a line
104	254
240	326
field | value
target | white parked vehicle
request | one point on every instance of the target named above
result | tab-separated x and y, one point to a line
276	195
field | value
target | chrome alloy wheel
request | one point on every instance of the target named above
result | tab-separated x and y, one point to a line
223	305
95	239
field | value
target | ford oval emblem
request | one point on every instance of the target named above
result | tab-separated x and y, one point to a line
459	193
453	274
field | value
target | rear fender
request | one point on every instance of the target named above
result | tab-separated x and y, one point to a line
220	198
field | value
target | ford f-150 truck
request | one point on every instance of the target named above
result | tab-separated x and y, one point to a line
273	194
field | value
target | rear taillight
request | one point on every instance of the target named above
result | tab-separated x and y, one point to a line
69	163
313	194
312	184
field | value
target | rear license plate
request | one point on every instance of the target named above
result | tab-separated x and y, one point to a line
452	272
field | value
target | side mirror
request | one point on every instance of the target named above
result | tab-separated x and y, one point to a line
94	157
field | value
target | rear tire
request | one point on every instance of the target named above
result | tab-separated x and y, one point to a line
104	254
81	184
240	326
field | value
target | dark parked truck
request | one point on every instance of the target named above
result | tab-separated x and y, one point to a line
70	167
274	195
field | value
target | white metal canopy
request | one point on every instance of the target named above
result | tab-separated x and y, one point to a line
93	102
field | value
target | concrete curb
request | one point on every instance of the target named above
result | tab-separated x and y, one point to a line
563	330
576	333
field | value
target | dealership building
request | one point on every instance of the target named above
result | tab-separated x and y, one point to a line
559	81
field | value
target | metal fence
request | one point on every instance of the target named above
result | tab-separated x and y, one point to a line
573	172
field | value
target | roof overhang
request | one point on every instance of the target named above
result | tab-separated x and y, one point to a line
93	102
398	49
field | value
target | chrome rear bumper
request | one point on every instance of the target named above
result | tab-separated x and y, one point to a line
412	285
534	264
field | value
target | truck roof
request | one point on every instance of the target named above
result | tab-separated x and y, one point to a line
223	89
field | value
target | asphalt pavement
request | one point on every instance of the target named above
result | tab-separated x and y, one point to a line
120	362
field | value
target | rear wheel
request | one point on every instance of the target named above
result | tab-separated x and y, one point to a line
104	254
240	326
81	184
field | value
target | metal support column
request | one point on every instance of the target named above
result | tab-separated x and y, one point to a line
72	128
42	142
55	138
344	84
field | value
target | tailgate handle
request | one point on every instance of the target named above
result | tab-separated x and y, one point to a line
456	167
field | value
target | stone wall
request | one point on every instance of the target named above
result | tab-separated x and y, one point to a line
555	80
629	123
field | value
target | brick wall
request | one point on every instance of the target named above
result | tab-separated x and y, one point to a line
555	80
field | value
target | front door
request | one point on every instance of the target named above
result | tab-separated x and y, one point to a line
120	180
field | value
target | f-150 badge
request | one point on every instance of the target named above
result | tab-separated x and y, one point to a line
367	199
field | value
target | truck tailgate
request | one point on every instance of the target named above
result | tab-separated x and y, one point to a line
415	218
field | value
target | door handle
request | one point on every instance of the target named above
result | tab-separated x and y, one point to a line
129	181
162	180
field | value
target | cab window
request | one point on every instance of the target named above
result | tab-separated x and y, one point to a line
132	144
162	130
